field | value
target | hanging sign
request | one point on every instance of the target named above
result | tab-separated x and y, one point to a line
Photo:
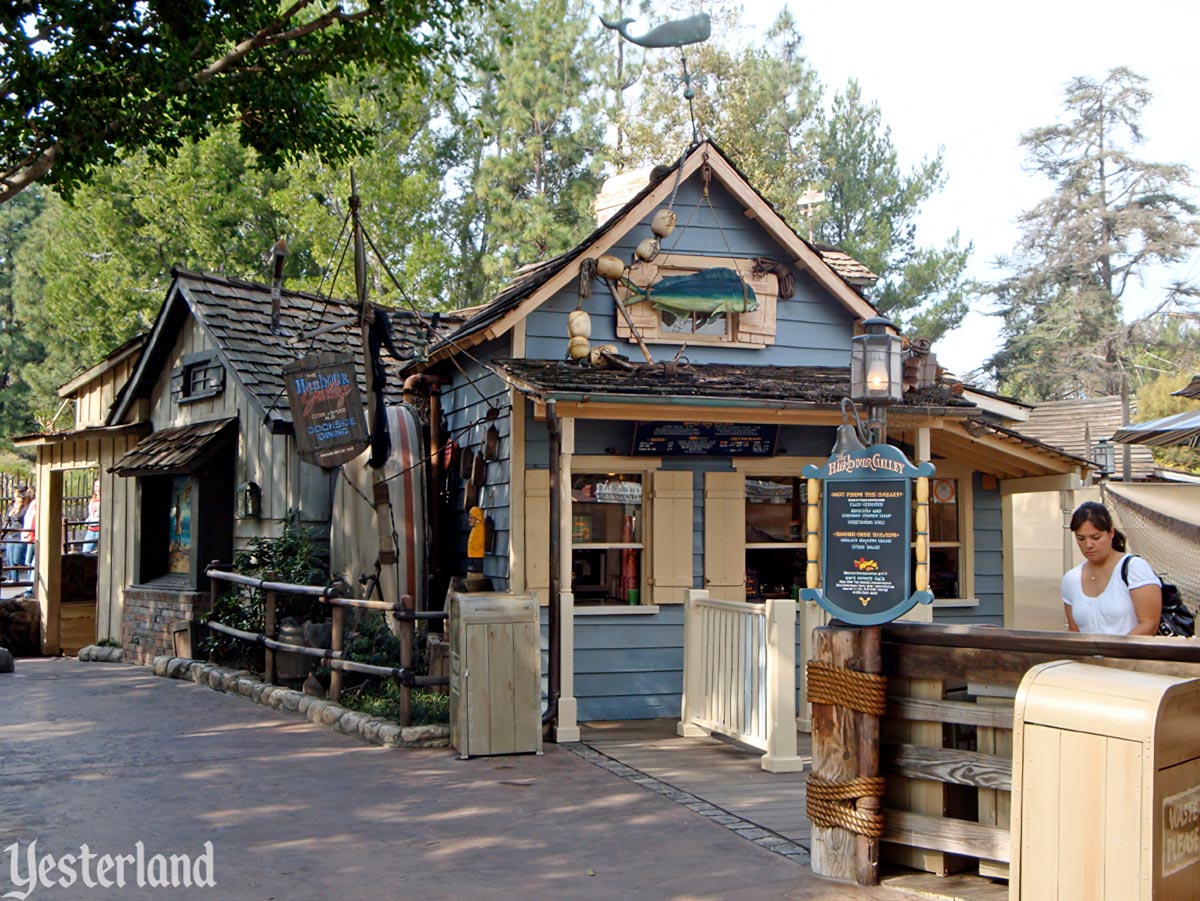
327	408
866	557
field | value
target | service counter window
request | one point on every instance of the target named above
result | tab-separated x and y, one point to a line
607	548
775	539
949	535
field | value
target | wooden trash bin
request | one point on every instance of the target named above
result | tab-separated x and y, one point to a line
495	674
1106	785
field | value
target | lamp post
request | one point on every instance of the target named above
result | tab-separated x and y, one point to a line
876	372
1105	457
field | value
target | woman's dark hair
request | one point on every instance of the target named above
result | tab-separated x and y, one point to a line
1098	516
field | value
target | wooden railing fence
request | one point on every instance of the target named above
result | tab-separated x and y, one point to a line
332	657
739	675
946	739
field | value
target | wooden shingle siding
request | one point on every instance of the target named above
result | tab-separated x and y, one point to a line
464	408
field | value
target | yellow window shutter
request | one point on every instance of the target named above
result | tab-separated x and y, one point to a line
670	536
758	327
537	532
725	535
643	314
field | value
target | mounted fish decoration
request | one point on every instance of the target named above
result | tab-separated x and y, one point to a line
716	290
678	33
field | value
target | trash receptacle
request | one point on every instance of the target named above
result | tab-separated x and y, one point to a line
495	674
1106	785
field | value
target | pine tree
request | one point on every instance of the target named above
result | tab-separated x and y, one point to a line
1111	218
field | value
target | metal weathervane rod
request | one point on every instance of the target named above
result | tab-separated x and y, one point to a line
676	33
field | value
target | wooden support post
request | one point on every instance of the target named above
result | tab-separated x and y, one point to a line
846	746
269	629
337	645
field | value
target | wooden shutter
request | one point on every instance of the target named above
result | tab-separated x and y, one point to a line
644	316
725	535
758	327
670	536
537	533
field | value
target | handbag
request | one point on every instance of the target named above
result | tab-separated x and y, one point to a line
1177	620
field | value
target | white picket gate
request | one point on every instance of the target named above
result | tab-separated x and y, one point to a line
739	675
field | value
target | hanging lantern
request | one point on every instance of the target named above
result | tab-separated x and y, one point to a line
648	249
609	266
579	324
876	364
663	222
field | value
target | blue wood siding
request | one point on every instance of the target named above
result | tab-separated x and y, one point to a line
627	667
465	403
812	322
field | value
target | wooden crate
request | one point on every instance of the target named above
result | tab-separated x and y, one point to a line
495	674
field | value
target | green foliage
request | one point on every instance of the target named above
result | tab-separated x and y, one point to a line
1112	217
90	83
382	699
1154	401
289	558
20	346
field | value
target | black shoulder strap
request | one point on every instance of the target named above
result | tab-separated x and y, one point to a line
1125	568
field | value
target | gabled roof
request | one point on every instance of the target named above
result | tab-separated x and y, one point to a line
538	283
237	316
115	358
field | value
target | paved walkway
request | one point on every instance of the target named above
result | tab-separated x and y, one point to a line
109	755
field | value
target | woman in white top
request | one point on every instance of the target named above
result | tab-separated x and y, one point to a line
1095	596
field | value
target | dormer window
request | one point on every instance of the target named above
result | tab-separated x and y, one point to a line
745	318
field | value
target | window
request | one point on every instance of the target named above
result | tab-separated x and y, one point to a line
950	542
606	538
666	326
775	538
199	377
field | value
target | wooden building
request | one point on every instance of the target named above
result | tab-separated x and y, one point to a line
190	431
685	473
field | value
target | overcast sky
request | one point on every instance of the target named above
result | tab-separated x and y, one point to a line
971	78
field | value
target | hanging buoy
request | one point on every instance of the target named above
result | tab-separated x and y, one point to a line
609	266
579	324
597	357
663	222
648	249
578	348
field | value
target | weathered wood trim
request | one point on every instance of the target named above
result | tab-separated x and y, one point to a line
664	411
961	712
944	834
947	765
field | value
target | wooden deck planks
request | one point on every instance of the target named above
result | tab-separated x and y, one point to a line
723	774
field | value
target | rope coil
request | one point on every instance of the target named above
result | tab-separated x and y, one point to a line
863	692
834	804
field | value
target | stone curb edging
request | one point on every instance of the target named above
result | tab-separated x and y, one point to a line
95	653
764	838
370	729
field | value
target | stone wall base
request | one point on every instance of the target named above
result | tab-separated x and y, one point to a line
149	615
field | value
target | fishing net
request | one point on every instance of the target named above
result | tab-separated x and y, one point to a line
1162	523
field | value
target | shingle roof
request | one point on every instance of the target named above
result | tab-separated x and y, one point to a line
237	314
847	267
1071	424
176	451
801	384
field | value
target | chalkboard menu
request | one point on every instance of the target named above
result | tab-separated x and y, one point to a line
716	439
867	553
326	408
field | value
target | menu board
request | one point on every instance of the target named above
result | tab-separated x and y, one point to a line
715	439
326	408
867	555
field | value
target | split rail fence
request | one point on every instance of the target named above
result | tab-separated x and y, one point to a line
739	675
331	657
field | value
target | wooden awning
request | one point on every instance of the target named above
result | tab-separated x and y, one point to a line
178	451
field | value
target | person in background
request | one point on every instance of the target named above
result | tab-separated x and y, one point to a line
93	520
29	535
14	550
1095	596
